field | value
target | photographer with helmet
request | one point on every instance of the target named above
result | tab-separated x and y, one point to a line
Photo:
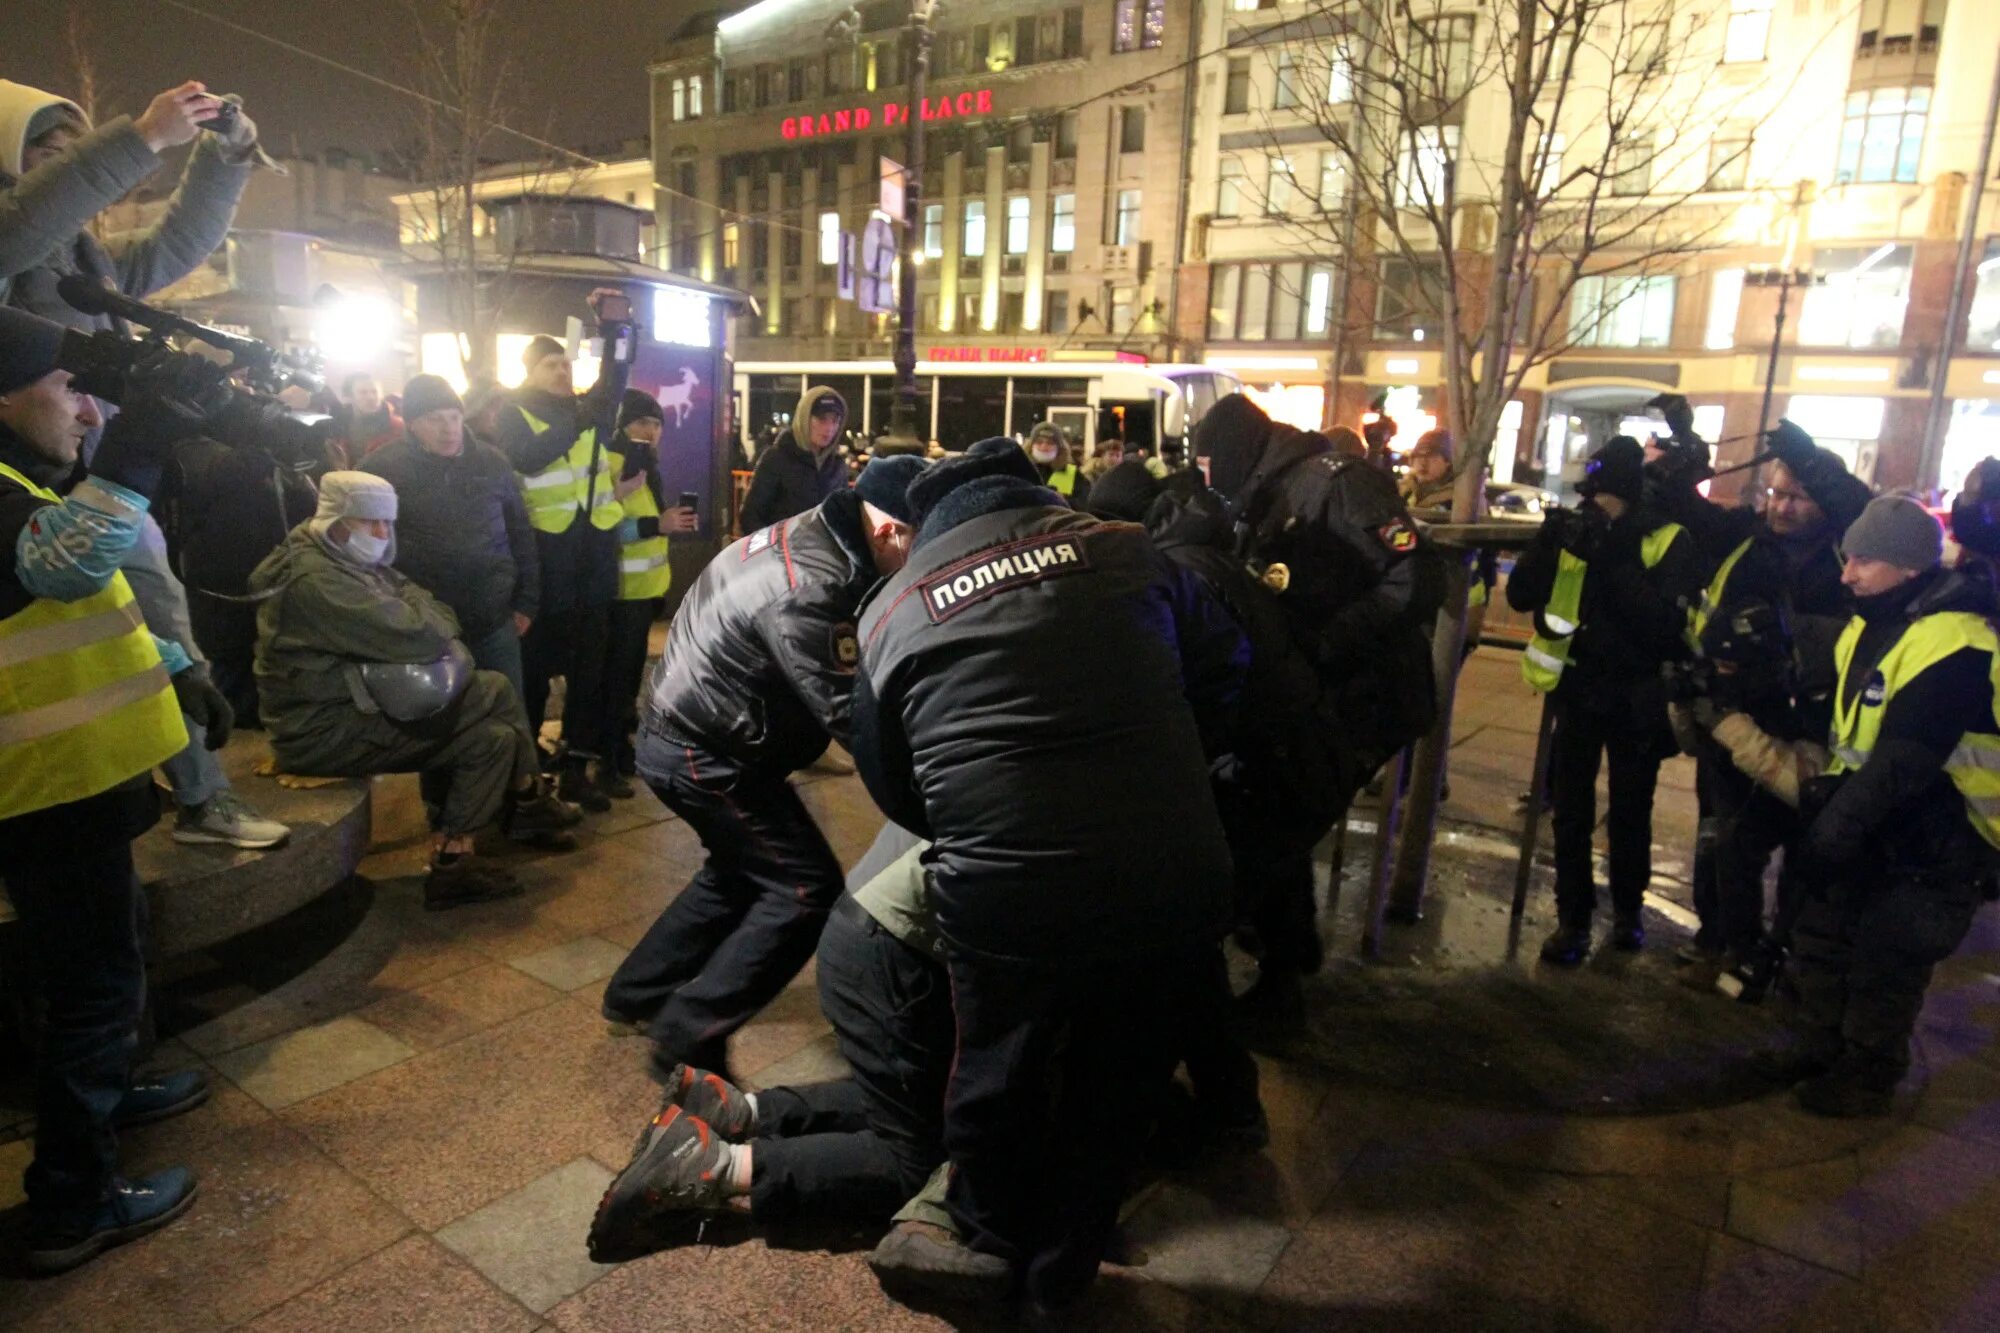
90	702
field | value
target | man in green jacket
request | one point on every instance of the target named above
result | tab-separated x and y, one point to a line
335	618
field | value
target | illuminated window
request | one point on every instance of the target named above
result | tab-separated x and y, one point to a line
1287	95
1138	25
1982	331
1882	136
1622	311
975	229
694	97
1332	181
1420	167
1725	298
1017	224
1862	301
1229	188
829	238
1127	232
680	99
1339	78
732	245
1062	224
1749	31
1278	193
933	231
1441	56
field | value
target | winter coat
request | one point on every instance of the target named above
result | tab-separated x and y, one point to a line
43	212
579	567
1031	684
789	478
363	436
759	663
462	532
321	613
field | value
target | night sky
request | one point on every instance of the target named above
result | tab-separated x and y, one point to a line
581	63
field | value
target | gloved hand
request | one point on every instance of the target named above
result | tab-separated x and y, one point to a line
1674	410
638	459
1583	535
1791	446
165	398
201	702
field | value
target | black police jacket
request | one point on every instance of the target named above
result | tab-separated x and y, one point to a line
759	663
1028	696
1362	586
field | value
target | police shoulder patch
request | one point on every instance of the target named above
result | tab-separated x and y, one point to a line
1397	535
845	646
965	584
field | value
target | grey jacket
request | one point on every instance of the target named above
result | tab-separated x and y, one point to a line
43	213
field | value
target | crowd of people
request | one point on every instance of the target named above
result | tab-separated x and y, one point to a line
1222	655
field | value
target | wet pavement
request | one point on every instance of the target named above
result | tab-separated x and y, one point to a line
417	1112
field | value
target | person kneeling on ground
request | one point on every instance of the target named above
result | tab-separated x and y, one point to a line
850	1150
362	672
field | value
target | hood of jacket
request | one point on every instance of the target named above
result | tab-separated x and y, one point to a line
802	418
1232	437
1197	518
19	105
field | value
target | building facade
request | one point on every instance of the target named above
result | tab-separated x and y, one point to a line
1054	178
1840	147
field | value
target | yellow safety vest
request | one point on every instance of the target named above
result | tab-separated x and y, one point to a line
643	571
1063	480
85	702
1711	596
1974	767
1547	654
581	476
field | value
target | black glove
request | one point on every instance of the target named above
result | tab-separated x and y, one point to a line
638	459
165	398
1792	447
1674	409
201	702
1584	534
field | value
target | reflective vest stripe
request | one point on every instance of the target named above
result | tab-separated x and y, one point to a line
66	636
1558	625
1547	655
582	476
643	569
553	477
65	714
1986	756
643	563
1711	596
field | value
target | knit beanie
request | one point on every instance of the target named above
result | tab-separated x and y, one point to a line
1232	436
638	405
1125	492
1619	469
425	394
1896	530
885	483
539	346
996	456
29	347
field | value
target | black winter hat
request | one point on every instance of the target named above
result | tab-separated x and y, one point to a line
29	346
885	483
1619	469
425	394
638	405
1232	437
1125	492
539	346
996	456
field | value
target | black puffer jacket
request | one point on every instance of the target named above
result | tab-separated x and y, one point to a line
462	531
1025	655
760	660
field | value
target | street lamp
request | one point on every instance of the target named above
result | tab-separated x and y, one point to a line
903	436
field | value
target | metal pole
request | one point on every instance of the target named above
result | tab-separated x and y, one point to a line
1771	367
903	416
1933	455
1532	825
1386	821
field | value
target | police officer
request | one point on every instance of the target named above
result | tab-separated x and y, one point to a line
1361	588
1024	653
1609	585
557	442
758	672
90	702
1902	849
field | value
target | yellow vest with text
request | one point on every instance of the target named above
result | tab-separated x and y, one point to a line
1974	767
643	571
85	702
1711	596
558	491
1547	654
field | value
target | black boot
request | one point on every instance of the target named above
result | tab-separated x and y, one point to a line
1628	932
611	782
576	787
1569	946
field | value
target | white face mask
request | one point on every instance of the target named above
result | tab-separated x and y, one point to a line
367	548
1045	455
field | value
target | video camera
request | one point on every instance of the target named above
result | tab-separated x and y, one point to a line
99	363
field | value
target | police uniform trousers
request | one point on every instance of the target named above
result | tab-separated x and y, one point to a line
857	1148
1585	738
1271	843
748	920
1864	949
1050	1062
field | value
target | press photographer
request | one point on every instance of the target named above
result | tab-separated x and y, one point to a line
90	702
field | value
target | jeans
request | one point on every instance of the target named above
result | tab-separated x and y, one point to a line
748	920
1583	739
83	917
858	1147
195	773
500	650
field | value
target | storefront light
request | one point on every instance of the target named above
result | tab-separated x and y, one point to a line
352	329
681	317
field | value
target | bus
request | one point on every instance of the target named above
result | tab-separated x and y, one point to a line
960	403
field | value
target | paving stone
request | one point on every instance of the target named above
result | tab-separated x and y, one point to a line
1189	1242
302	1064
1749	1289
530	1243
1823	1232
818	1061
573	965
446	1011
413	1286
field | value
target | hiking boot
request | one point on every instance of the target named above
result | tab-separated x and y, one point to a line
160	1097
1840	1095
576	787
712	1098
678	1165
466	880
1699	950
625	1025
923	1259
611	782
1628	932
129	1210
540	819
224	820
1568	947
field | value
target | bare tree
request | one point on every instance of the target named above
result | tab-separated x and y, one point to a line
1527	164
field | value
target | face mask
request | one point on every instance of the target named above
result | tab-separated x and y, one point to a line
367	548
1045	455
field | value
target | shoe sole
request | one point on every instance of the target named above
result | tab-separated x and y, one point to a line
159	1113
190	838
50	1262
901	1278
628	1223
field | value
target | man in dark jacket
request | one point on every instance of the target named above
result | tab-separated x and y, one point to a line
462	530
1360	588
803	467
1027	652
365	421
557	441
757	674
1609	586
